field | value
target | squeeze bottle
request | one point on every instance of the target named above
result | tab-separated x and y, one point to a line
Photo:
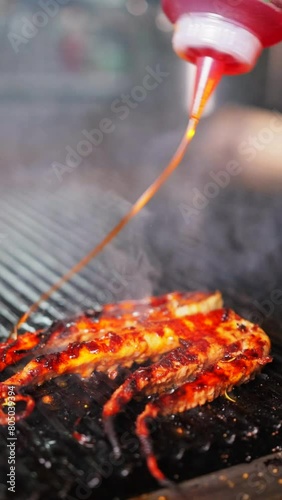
221	37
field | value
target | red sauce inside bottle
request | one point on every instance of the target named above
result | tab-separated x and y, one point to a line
262	18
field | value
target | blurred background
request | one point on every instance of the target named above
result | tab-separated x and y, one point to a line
74	70
62	68
64	62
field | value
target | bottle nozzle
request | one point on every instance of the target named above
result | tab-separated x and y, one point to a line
209	73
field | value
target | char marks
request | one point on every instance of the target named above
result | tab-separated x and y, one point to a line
196	349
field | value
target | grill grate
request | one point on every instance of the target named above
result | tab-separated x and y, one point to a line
41	237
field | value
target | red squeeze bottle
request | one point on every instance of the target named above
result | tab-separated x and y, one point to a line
222	37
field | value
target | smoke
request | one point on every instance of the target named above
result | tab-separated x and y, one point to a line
232	244
47	233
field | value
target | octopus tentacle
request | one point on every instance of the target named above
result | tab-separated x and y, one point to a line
111	316
13	351
104	354
4	401
172	305
210	384
188	345
122	346
183	363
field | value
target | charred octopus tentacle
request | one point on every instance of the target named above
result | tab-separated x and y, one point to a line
121	334
210	384
197	349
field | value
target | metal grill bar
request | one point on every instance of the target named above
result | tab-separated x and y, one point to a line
44	237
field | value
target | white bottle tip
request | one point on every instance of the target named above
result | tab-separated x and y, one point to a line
196	31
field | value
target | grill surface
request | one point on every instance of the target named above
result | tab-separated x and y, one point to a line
41	237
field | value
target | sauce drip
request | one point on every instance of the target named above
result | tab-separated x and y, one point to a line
208	76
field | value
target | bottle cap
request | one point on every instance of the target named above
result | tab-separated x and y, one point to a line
215	34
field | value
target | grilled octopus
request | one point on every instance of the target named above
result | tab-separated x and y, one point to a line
197	351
